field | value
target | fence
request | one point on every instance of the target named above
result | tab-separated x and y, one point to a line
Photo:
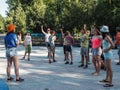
39	39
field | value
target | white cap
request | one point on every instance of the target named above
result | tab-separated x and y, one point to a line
104	29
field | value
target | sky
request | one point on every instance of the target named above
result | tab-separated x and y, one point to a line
3	7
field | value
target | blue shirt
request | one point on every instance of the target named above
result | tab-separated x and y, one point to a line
10	40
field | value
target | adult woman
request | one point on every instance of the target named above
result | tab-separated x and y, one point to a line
47	35
107	46
11	43
96	50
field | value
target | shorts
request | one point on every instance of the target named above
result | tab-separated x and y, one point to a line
28	49
68	48
84	51
47	44
11	52
51	49
118	47
108	55
96	51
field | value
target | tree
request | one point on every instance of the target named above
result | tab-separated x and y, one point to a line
1	24
16	15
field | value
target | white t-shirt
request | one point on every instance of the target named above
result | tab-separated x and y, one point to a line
28	40
47	37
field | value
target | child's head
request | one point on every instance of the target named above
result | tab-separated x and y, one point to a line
83	31
28	34
88	32
105	31
67	33
53	32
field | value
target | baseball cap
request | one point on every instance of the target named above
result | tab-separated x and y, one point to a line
11	27
104	29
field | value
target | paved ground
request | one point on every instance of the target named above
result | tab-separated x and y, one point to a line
40	75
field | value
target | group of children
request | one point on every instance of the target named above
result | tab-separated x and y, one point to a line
101	44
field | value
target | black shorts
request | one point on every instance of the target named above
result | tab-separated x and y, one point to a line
68	48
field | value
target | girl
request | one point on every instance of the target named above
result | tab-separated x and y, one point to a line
107	46
96	50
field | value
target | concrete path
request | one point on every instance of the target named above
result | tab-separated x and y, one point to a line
40	75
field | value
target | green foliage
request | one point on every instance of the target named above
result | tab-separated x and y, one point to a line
1	24
70	14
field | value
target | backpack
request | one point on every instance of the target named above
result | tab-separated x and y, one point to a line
118	38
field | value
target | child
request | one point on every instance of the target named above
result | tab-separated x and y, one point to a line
107	46
64	44
118	43
69	42
28	45
84	48
51	47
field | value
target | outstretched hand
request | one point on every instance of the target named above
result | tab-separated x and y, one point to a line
42	27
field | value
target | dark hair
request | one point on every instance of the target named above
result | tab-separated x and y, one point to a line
104	34
97	29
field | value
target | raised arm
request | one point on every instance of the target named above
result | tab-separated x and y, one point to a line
42	30
62	32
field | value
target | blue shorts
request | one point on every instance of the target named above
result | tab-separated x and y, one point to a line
97	51
108	55
11	52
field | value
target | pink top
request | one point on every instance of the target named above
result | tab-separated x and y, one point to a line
96	41
69	40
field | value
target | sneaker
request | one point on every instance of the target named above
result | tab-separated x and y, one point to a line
71	63
118	63
19	80
54	60
66	62
86	66
10	79
81	65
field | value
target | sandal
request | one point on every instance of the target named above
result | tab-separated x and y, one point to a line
118	63
96	74
108	85
19	80
10	79
93	73
104	81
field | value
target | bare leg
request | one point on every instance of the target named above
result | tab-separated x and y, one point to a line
94	63
24	55
9	64
28	56
16	65
109	71
98	64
